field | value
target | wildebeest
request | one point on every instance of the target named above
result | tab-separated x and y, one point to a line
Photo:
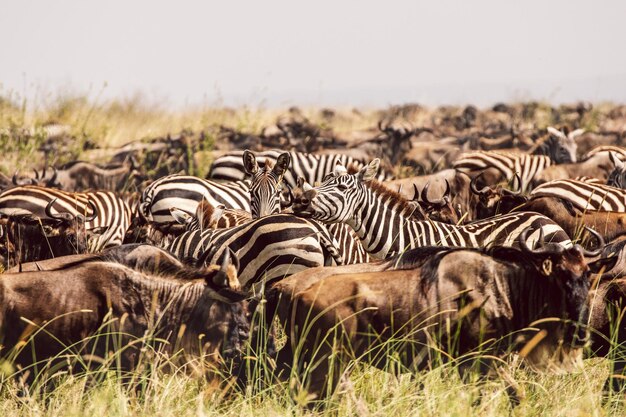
66	315
29	238
456	300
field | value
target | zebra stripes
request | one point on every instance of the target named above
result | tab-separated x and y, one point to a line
584	195
313	168
509	164
109	226
268	248
185	192
265	200
266	183
383	223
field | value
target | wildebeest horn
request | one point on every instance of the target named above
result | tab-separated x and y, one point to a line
14	179
37	173
473	187
600	240
94	212
441	201
424	193
221	278
58	216
519	188
543	249
53	178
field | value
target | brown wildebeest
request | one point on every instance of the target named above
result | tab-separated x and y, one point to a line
608	327
29	238
453	300
63	317
138	256
609	224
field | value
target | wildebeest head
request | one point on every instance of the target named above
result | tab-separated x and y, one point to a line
439	210
30	238
499	200
561	145
40	179
617	177
398	141
568	285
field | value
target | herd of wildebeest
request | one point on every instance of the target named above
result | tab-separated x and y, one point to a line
503	236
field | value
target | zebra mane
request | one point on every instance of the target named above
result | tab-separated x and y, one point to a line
388	196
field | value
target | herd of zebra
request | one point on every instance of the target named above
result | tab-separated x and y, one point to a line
282	217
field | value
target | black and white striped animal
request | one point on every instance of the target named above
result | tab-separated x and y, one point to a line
584	195
185	192
508	164
268	248
313	168
382	220
265	199
557	148
266	185
108	215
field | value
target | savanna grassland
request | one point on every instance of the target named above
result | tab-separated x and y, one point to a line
109	124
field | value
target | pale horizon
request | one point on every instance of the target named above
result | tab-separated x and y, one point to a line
281	53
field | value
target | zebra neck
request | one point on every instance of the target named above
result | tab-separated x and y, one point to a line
383	227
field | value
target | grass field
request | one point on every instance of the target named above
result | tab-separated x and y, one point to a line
367	391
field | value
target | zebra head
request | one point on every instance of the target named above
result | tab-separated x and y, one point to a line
617	177
561	146
339	197
267	183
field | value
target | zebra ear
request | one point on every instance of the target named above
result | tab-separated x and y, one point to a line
216	215
249	163
282	164
369	171
616	161
339	170
181	216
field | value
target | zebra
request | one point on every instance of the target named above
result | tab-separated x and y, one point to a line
584	195
266	184
109	216
268	248
382	220
313	168
185	192
557	148
507	163
265	200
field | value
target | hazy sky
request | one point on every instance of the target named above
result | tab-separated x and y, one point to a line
318	52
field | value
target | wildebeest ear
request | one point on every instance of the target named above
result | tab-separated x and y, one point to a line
181	216
556	132
249	163
603	265
616	161
369	171
574	134
282	164
226	276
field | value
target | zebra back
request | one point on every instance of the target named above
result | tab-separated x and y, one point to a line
584	195
313	168
185	192
109	226
267	248
509	164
